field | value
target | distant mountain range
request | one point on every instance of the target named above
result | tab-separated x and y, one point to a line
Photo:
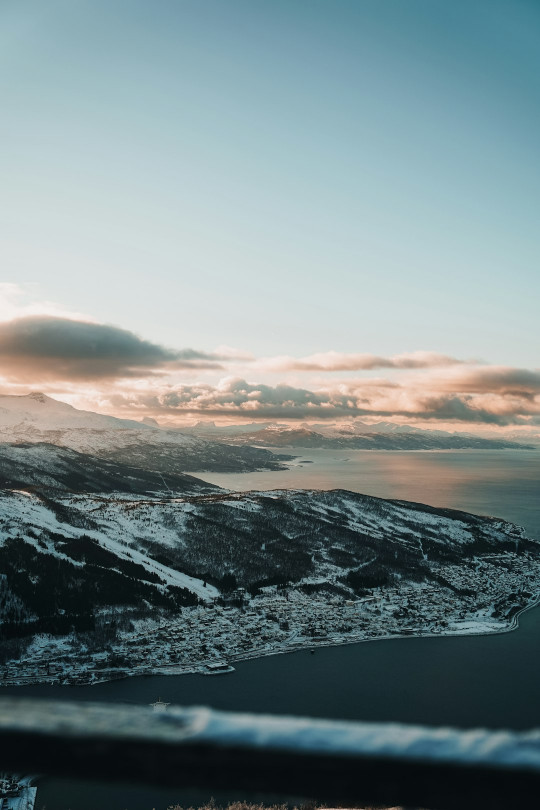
382	436
37	418
327	429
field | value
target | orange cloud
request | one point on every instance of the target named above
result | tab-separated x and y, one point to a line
340	361
237	398
501	380
125	374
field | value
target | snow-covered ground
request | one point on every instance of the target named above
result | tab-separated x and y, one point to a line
39	418
22	512
459	591
36	418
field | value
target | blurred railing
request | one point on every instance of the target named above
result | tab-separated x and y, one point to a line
331	762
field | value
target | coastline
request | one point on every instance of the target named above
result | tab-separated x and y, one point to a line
196	668
81	670
513	625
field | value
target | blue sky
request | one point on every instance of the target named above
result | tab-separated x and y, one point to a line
285	177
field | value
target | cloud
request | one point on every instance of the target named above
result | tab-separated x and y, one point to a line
235	398
502	380
126	374
339	361
42	347
456	409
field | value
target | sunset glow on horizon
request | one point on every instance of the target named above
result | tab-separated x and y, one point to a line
273	212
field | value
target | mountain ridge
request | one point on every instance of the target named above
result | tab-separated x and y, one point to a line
37	418
303	437
46	467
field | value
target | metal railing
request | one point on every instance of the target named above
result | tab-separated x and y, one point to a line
331	762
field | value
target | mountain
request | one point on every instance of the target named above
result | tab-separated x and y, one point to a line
279	436
363	429
354	435
37	418
60	570
65	558
47	468
103	538
211	430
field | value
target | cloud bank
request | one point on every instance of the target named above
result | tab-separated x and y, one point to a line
42	347
239	399
126	374
340	361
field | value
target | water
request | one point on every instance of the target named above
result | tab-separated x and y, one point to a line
503	483
491	681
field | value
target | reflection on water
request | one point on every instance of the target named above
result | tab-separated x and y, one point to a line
503	483
488	680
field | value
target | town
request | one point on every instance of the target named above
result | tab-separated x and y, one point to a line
484	594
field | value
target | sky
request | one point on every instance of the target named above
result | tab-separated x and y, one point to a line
278	209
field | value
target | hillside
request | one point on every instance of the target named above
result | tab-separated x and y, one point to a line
37	418
47	467
351	542
97	556
109	582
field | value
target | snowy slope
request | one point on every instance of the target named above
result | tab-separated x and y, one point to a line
40	412
39	418
65	557
43	467
22	513
262	535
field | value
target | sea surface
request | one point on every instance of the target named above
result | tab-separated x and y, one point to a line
490	681
483	681
502	483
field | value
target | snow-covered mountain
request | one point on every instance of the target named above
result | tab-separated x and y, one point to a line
96	519
352	439
37	412
354	435
358	428
73	555
39	418
211	430
47	468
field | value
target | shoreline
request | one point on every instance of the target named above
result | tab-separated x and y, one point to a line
195	669
513	625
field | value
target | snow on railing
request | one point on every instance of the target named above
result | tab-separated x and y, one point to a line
329	761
